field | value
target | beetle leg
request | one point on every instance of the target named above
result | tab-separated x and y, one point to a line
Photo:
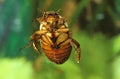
36	46
63	30
38	33
32	42
26	46
35	38
78	50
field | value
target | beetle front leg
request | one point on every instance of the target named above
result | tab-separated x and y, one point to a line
78	49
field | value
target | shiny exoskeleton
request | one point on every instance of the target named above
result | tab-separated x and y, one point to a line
55	38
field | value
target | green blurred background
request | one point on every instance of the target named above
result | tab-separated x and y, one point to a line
95	24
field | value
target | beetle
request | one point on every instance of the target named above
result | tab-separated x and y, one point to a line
55	38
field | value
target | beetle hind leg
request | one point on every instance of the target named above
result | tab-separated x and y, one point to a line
78	49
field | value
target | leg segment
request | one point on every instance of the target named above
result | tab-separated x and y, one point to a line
36	46
78	50
35	38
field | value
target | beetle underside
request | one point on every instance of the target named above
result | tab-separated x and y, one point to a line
55	38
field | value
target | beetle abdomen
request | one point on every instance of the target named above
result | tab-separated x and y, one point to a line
59	55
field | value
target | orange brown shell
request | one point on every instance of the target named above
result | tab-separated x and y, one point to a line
59	55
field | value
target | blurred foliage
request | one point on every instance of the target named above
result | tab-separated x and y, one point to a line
94	23
15	69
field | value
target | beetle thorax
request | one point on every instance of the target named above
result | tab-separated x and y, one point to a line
52	22
55	30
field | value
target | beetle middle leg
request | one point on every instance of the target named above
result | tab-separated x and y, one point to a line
78	50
